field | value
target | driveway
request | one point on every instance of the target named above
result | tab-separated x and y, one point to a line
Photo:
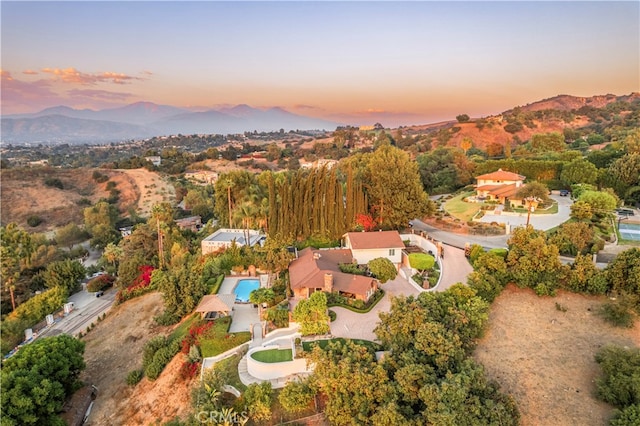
352	325
538	221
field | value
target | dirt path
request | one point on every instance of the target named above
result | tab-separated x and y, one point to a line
151	189
544	357
113	348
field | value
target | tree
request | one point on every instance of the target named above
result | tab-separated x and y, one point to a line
312	314
600	201
466	144
296	396
383	269
64	273
100	221
532	262
421	261
354	383
462	118
623	274
548	142
572	237
257	400
581	210
16	249
112	254
620	384
262	295
69	235
394	187
490	275
534	189
585	277
579	171
37	380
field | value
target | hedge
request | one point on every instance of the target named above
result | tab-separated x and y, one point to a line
100	283
29	314
377	296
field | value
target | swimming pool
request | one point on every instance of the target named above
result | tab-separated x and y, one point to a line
244	288
629	231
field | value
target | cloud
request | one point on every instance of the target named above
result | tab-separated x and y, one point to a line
102	95
30	72
307	107
24	96
73	76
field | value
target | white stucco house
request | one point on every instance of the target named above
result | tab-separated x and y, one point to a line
224	238
366	246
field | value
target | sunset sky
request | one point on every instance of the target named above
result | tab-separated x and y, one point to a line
352	62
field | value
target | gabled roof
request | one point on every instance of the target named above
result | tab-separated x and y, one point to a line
375	240
216	303
309	269
501	175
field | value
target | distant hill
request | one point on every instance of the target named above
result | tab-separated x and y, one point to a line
568	102
548	115
145	119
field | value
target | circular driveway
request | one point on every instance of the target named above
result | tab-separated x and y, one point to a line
538	221
352	325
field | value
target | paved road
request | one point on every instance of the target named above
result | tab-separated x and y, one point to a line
86	311
539	221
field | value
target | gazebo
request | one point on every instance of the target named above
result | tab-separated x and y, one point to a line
214	306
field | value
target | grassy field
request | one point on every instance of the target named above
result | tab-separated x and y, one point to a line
181	330
460	209
273	355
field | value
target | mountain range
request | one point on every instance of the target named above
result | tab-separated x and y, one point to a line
145	119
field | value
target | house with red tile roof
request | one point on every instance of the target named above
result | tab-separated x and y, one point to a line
366	246
499	186
319	270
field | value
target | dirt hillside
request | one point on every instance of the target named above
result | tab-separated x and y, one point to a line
544	357
25	194
113	348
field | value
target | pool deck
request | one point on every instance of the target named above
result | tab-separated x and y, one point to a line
244	314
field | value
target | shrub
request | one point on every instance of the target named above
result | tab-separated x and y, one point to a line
54	183
34	221
627	417
351	268
100	282
296	396
617	313
620	384
134	377
332	315
167	318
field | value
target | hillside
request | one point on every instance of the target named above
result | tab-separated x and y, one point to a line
25	194
520	123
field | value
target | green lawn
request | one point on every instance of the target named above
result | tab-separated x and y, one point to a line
372	346
460	209
273	355
218	339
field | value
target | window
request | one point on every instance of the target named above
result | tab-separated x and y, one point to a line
392	252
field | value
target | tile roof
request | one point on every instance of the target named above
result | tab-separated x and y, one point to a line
216	303
375	240
309	269
501	175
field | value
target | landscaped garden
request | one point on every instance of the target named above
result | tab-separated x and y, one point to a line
217	339
461	209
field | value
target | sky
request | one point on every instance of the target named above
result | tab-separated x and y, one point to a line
355	62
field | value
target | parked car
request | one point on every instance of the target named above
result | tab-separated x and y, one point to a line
564	192
99	293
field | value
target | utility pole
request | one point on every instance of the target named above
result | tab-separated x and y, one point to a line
529	201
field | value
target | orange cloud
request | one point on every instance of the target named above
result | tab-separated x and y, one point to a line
30	72
73	76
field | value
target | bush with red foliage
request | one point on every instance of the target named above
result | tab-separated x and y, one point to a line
139	286
366	221
196	330
189	369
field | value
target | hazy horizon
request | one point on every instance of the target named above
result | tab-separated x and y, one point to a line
351	62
